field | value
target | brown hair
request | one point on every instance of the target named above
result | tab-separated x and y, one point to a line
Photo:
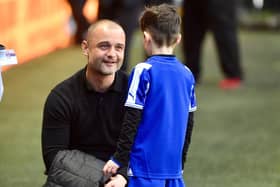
162	22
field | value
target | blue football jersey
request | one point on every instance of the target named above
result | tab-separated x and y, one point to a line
165	90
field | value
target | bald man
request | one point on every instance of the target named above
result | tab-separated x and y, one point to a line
83	114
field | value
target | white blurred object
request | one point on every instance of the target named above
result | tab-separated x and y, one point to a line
1	86
258	4
7	57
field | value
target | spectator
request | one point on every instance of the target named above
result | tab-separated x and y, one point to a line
80	19
219	16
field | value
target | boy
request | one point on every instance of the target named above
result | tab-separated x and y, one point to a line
158	120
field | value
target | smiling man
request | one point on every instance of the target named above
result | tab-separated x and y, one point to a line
83	115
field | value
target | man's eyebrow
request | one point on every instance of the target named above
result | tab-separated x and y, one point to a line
108	43
120	44
103	42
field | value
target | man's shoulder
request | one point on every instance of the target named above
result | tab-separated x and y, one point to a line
62	96
70	84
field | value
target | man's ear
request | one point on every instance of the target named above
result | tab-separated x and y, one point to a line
84	46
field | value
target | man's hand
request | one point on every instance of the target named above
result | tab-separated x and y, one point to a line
110	168
116	181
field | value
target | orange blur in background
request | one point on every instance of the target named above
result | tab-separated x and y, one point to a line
36	27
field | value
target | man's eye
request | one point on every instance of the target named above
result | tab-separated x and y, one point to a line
119	48
104	46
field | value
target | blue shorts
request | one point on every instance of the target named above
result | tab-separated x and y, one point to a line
145	182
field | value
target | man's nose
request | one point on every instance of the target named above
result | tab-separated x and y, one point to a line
112	52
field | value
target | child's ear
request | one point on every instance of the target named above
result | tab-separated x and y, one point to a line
179	37
84	46
147	36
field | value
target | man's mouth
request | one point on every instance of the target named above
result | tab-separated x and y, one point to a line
109	63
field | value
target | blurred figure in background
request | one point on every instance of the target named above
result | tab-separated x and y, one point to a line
80	19
126	13
219	16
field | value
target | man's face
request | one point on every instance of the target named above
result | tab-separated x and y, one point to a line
105	50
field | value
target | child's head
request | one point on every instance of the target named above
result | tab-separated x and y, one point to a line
162	23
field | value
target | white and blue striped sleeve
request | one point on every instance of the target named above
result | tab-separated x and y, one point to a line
139	83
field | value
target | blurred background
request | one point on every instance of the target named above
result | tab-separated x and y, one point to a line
236	133
34	28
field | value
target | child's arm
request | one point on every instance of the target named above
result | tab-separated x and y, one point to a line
187	138
129	128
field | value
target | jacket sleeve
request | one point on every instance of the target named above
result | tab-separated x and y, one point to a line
129	129
187	138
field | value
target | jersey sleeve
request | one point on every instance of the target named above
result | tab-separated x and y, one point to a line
193	105
139	84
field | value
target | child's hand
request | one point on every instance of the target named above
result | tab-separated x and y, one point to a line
110	168
116	181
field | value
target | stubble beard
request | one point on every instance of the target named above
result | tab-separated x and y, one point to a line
104	70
